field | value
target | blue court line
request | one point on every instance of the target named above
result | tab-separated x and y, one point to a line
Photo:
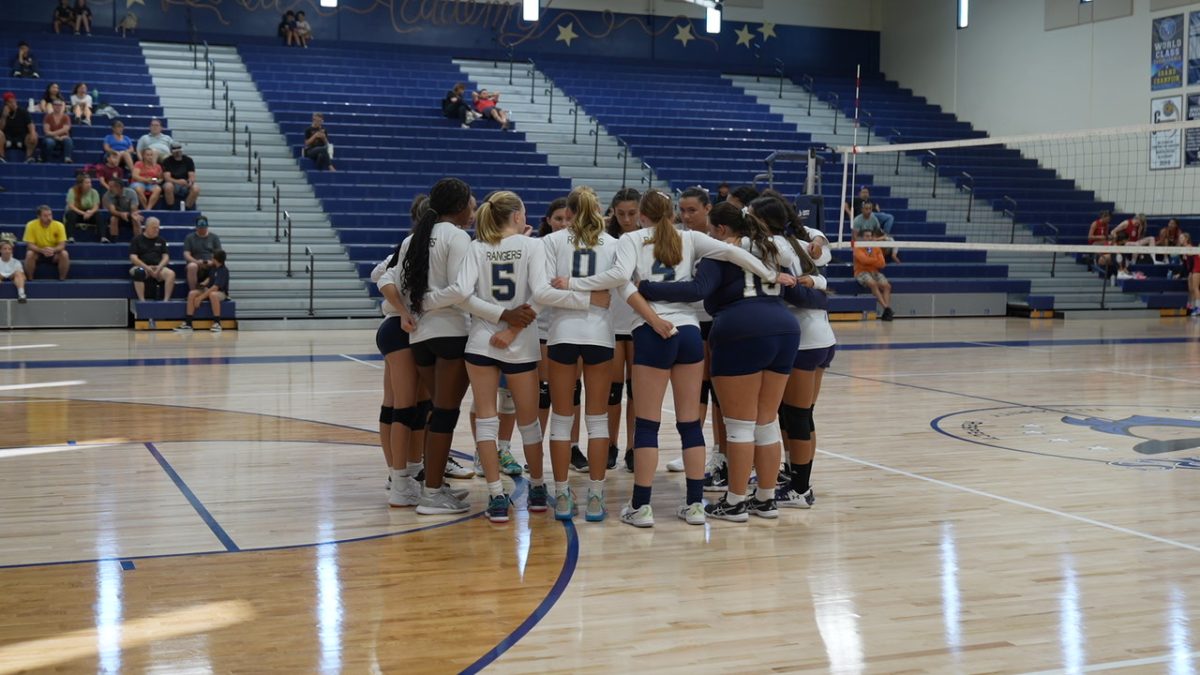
338	358
207	517
127	565
560	586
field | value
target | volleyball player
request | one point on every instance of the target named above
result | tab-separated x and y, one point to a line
667	345
754	340
579	331
623	219
398	412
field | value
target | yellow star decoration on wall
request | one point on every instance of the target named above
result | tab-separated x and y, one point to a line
744	36
684	33
131	3
767	30
566	33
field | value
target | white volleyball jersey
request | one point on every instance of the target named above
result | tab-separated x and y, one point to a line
440	317
623	317
575	320
389	277
502	276
815	331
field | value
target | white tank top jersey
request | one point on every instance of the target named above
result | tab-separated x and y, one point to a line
440	317
502	276
635	261
575	320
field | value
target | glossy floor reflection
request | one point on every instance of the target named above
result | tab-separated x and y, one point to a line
993	496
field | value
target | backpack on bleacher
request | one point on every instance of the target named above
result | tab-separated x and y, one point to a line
103	108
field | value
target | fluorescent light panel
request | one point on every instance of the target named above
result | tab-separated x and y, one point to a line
963	9
530	10
712	22
332	4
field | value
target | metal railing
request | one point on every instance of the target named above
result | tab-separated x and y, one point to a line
225	96
895	135
311	269
549	92
233	125
575	113
648	175
775	157
810	85
258	172
212	80
868	122
968	185
193	45
510	64
931	159
834	101
287	232
532	79
278	206
779	71
249	154
595	133
1047	238
1010	209
623	153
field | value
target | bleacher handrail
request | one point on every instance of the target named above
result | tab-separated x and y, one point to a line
1011	210
779	70
212	78
287	232
1047	238
249	154
648	175
225	83
968	185
869	122
278	206
836	104
233	123
311	269
931	159
258	172
532	79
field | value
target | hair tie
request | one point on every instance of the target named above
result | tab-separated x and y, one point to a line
745	211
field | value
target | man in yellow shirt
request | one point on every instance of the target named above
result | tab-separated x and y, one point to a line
46	241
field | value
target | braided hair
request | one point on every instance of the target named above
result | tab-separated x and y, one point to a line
746	224
448	196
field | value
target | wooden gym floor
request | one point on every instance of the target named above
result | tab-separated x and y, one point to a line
993	495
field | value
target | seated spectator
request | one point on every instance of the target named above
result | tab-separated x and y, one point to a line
109	169
865	221
317	146
57	127
10	268
1131	232
487	105
213	289
149	255
64	16
147	179
303	30
722	193
179	176
83	202
122	205
287	27
16	128
121	144
83	17
155	140
46	241
53	93
868	272
1168	236
854	207
23	64
455	106
81	104
742	195
199	248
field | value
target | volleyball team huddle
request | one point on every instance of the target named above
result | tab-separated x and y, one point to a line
726	306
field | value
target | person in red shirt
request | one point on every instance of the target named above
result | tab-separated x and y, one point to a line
486	105
868	271
57	127
110	169
1191	266
1098	236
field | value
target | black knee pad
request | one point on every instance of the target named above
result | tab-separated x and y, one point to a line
614	393
629	390
443	420
791	420
578	392
424	408
544	395
385	415
808	418
705	390
405	416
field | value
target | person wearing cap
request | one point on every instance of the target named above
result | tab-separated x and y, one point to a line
122	205
199	248
149	256
156	139
16	128
57	127
46	241
179	176
23	64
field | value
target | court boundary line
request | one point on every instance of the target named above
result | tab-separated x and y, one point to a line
202	511
1013	502
1113	665
365	363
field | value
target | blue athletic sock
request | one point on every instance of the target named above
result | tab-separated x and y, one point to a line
641	496
695	490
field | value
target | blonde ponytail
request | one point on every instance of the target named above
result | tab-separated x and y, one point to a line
588	222
668	242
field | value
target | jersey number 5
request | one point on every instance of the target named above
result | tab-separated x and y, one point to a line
583	264
504	286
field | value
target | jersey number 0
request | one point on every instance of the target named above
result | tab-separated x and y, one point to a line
583	263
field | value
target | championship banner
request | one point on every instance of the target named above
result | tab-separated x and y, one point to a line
1166	53
1193	48
1191	140
1166	147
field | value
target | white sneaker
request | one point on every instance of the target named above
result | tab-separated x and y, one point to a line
215	328
405	491
458	493
643	517
478	466
675	465
182	328
438	503
456	470
693	514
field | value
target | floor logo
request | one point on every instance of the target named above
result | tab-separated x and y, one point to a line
1149	438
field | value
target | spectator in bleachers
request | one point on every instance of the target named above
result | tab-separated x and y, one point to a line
1132	232
16	128
122	205
83	202
303	30
121	144
155	140
46	241
179	174
64	16
742	195
199	249
10	268
83	17
868	272
81	104
23	64
213	289
1168	236
287	27
866	221
107	170
149	255
722	193
53	93
57	129
1098	232
147	179
487	105
854	207
317	146
455	106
